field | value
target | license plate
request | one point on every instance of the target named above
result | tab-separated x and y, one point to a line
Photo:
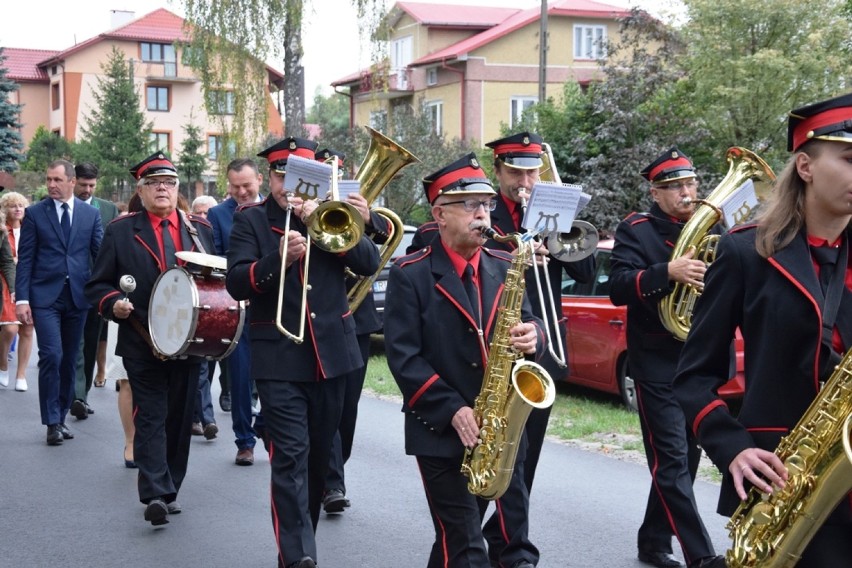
380	285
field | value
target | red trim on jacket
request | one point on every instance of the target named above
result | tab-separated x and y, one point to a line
422	390
154	255
104	299
252	279
704	412
639	284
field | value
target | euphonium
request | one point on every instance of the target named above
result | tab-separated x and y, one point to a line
511	388
676	308
383	160
772	531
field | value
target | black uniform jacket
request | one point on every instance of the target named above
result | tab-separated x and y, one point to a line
639	280
777	304
581	271
433	347
130	247
366	318
330	347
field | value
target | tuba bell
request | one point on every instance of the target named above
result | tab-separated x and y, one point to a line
383	160
676	309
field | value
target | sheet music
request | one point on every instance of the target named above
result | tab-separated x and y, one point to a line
552	207
307	178
740	206
347	187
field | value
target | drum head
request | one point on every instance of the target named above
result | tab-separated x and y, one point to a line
202	259
171	312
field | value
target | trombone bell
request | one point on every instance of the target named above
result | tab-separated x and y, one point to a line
574	245
335	226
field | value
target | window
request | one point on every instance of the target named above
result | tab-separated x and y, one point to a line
214	146
221	102
400	56
517	107
159	141
54	96
432	76
434	111
158	98
160	53
53	70
589	41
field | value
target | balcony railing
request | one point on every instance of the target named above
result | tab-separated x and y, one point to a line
383	78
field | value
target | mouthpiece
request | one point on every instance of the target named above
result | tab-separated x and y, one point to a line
488	232
127	283
686	201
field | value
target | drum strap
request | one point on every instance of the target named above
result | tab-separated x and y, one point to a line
192	232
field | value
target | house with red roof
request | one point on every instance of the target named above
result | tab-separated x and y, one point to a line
474	67
57	87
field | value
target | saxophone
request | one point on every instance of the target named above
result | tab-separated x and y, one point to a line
772	531
511	388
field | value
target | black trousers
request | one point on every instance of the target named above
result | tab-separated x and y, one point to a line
673	457
342	448
301	420
94	330
163	403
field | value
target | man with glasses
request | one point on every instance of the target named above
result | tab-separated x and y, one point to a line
642	274
144	245
440	311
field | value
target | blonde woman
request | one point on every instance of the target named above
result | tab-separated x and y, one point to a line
12	206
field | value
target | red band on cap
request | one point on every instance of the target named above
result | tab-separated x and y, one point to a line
154	164
436	186
506	148
680	162
284	154
817	121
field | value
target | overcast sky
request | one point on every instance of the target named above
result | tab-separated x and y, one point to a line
331	41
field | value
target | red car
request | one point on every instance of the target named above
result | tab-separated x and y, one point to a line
597	336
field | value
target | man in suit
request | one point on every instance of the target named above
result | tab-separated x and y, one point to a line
60	237
643	272
440	315
300	384
93	346
143	245
244	181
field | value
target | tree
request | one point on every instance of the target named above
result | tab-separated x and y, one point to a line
45	147
11	143
115	134
191	161
233	38
332	112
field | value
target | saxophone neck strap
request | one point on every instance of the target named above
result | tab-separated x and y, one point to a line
831	305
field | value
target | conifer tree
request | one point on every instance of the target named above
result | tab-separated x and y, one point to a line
11	143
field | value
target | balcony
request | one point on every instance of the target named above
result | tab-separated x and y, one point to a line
164	72
386	83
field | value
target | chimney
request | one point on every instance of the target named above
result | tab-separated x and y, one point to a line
120	17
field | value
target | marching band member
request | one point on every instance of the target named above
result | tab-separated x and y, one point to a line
300	385
143	245
642	274
784	281
438	324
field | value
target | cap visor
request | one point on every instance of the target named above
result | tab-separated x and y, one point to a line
523	163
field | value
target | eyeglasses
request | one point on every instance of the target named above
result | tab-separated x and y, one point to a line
168	183
471	205
678	185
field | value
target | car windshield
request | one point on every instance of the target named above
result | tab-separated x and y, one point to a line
403	244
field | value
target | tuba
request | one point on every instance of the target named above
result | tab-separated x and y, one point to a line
383	160
676	309
511	388
772	531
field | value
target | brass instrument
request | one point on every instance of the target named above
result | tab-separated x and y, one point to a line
383	160
298	337
676	308
511	388
335	226
772	531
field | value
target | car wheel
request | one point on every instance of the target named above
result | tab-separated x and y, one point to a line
627	386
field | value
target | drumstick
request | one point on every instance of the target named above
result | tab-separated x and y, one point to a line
127	283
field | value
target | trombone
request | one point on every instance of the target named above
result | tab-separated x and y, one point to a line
299	337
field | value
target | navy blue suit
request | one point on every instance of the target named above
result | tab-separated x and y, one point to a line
51	275
222	218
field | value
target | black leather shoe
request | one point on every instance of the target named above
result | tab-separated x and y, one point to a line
89	409
67	434
54	435
709	562
523	564
174	508
659	559
225	402
334	501
79	410
306	562
157	512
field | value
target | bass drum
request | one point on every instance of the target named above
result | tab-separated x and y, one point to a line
193	315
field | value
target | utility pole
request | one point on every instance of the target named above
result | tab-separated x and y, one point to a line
542	54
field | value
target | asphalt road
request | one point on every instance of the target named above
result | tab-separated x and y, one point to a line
76	504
